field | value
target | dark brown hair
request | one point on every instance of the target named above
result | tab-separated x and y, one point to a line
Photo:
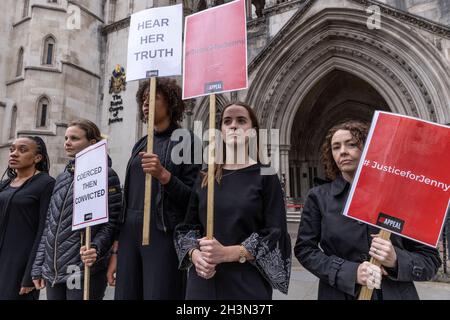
358	130
91	129
171	92
218	167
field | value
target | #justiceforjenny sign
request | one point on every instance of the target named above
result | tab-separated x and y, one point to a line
403	181
154	43
215	50
90	188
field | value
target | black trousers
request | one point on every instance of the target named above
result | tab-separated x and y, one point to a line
147	272
14	295
97	288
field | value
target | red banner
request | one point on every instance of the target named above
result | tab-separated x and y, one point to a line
403	181
215	50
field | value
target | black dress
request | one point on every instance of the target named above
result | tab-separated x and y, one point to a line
22	219
248	209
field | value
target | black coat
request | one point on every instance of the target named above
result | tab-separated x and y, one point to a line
60	246
22	221
344	244
172	199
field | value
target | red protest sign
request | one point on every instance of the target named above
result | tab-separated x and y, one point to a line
403	180
215	50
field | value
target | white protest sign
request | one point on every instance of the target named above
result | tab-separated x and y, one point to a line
90	188
154	43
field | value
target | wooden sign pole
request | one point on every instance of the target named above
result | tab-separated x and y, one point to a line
211	156
87	270
248	8
148	177
366	293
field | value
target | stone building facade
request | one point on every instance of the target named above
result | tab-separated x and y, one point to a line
312	63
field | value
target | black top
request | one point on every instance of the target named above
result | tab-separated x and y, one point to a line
248	209
22	219
4	197
136	191
332	246
169	201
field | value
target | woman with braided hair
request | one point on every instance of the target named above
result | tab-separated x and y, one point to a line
24	199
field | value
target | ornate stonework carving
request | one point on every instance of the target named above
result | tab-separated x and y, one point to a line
332	51
414	20
386	56
116	26
201	111
417	21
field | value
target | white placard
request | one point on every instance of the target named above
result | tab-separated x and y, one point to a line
90	188
155	43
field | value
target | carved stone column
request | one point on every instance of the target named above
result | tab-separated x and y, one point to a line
190	104
284	167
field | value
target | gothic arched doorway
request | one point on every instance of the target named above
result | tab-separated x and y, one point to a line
337	97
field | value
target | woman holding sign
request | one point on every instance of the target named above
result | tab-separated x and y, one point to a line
150	272
250	253
61	256
336	249
24	199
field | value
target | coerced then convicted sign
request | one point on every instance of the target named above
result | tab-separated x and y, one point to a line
215	50
403	180
154	43
90	188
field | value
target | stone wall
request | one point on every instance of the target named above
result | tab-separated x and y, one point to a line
77	85
71	83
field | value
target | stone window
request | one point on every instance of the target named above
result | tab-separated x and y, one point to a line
3	120
12	129
112	11
130	7
19	63
42	112
49	50
26	6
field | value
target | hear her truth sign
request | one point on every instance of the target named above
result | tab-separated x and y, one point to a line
154	43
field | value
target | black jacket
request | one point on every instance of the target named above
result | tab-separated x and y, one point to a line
344	244
172	198
59	249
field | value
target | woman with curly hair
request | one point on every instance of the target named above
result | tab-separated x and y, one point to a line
336	249
150	272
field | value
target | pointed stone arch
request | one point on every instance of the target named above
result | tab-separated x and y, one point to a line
201	113
404	68
411	74
19	65
43	109
49	50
